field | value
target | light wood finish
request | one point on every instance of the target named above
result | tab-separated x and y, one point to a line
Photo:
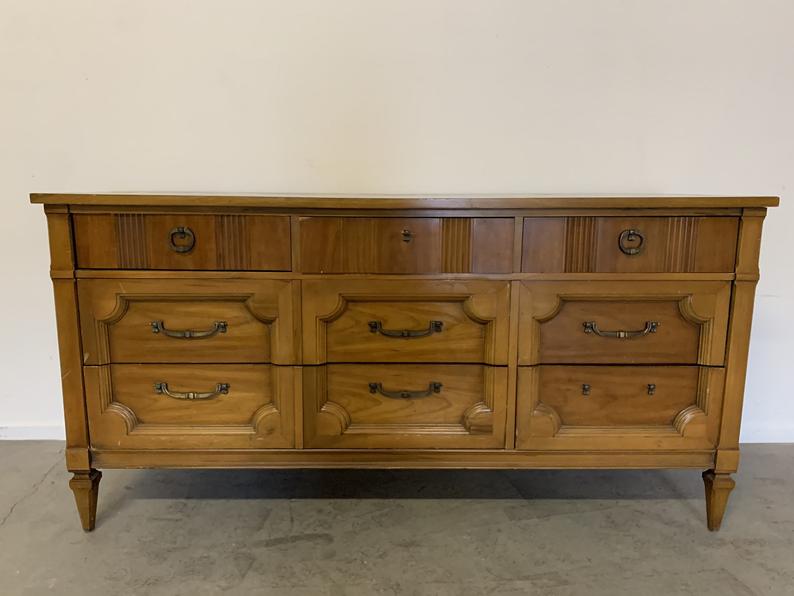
553	411
591	244
473	314
69	341
117	317
141	241
126	412
494	293
617	397
85	487
741	318
406	245
402	458
467	412
718	489
692	319
402	202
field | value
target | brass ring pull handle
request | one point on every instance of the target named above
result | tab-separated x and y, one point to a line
186	237
592	327
407	235
217	327
630	242
433	387
161	387
433	327
651	388
585	389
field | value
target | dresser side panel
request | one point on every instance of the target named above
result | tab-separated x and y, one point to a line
69	345
738	344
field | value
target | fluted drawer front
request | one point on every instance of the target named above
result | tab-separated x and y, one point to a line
404	406
580	244
406	245
623	322
182	241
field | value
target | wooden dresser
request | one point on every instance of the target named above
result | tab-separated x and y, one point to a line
403	332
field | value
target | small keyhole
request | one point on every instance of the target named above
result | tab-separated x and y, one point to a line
651	388
407	235
585	389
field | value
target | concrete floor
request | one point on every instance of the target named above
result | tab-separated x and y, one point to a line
394	532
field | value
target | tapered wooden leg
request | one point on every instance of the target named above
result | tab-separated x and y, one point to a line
718	489
85	486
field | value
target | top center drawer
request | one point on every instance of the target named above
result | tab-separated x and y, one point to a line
406	244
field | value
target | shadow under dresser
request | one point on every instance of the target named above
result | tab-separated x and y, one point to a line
403	332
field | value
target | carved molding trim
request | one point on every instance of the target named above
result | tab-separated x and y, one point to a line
690	422
336	420
337	414
480	308
121	304
133	427
542	303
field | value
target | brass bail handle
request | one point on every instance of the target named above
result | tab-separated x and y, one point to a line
586	389
592	327
217	327
161	387
432	387
433	327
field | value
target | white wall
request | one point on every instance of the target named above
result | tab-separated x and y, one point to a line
613	96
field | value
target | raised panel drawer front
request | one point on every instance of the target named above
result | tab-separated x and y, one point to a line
190	406
405	321
618	407
406	245
629	244
187	321
182	241
623	322
404	406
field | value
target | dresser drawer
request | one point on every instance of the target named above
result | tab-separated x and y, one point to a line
405	321
625	322
618	396
404	406
406	245
618	407
629	244
182	241
179	406
187	321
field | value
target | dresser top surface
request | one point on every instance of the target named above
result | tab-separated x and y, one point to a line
462	201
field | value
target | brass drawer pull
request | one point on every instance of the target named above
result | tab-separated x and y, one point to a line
407	235
184	234
630	242
217	327
650	327
433	387
434	327
161	387
586	389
